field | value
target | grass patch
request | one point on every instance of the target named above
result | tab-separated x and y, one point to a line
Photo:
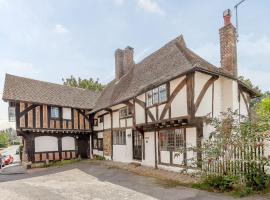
55	163
168	183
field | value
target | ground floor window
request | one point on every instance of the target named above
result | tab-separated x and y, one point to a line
119	137
171	140
97	142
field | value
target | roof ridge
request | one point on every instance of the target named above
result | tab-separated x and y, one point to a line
46	82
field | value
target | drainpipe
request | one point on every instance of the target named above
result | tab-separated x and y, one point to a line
155	149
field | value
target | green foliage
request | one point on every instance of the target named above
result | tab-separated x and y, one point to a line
263	109
250	84
232	159
3	140
97	157
89	84
217	183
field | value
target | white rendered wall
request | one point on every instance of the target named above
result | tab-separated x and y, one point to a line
139	111
205	107
165	157
178	158
68	143
46	143
217	98
116	119
179	104
243	108
107	121
123	153
149	145
191	141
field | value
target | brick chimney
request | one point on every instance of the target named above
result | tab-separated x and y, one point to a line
123	61
228	40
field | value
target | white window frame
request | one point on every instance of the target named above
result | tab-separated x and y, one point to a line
55	112
155	96
161	89
149	98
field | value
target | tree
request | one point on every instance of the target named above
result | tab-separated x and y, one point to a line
89	84
3	139
263	109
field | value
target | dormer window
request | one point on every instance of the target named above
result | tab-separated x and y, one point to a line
54	112
156	96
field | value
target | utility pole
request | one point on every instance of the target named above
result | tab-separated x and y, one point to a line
236	17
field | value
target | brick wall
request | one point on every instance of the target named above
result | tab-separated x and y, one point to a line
107	143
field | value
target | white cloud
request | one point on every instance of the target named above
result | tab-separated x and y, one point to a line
150	6
59	28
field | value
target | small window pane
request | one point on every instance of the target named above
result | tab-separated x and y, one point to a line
155	95
54	112
11	114
149	101
162	93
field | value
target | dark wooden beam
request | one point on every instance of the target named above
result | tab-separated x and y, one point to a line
26	110
203	91
171	98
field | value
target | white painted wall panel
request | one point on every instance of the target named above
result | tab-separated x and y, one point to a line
149	144
217	98
122	123
191	139
107	121
179	104
160	109
46	143
205	107
68	143
243	108
165	156
123	153
140	114
129	122
116	119
178	160
199	82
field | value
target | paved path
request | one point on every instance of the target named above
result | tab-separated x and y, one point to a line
85	181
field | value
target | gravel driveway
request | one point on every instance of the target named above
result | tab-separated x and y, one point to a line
85	181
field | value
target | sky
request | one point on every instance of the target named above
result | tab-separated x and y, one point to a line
49	40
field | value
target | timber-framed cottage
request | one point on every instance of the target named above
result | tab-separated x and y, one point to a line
146	114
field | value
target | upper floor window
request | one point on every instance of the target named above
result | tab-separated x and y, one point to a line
149	98
11	114
157	95
54	112
124	112
67	113
162	93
